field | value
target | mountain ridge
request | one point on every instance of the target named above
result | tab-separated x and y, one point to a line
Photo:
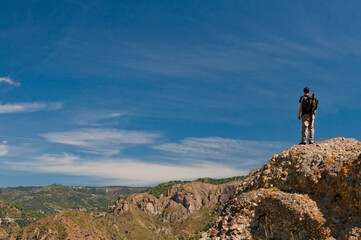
188	209
102	220
54	198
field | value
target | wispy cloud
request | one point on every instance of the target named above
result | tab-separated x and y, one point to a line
4	149
9	81
224	150
29	107
227	54
96	119
93	136
124	171
106	141
223	54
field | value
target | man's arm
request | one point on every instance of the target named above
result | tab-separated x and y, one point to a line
299	111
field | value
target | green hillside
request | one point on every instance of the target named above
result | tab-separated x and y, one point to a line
174	222
54	198
164	187
100	222
13	218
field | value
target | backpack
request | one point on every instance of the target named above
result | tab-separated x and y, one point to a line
311	103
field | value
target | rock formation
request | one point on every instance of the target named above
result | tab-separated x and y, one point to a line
305	192
181	200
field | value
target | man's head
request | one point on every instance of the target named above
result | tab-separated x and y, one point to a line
306	90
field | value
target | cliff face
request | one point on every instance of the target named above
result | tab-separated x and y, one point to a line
306	192
181	201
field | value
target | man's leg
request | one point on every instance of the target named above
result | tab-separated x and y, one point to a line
305	124
312	130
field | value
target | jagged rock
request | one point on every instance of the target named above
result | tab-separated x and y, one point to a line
321	167
121	207
265	213
146	203
326	177
181	200
194	196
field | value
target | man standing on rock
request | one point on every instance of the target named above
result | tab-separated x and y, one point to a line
308	106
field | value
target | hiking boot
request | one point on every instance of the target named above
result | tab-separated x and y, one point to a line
310	143
302	143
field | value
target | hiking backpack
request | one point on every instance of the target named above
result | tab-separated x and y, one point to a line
311	104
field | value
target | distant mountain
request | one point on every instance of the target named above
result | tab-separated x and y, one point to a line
56	198
180	210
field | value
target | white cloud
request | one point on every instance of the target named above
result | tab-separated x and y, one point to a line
124	171
94	136
222	149
8	80
187	159
4	149
29	107
106	141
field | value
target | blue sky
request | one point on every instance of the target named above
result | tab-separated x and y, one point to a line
142	92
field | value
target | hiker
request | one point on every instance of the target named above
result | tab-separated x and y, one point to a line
308	106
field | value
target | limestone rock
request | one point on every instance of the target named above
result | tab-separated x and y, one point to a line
121	207
313	191
265	213
181	200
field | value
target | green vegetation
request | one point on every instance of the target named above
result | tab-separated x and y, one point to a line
14	218
13	211
52	199
163	188
220	181
69	224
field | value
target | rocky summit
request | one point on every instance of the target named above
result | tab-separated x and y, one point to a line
305	192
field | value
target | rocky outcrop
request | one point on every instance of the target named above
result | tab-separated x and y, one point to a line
181	200
267	213
313	191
